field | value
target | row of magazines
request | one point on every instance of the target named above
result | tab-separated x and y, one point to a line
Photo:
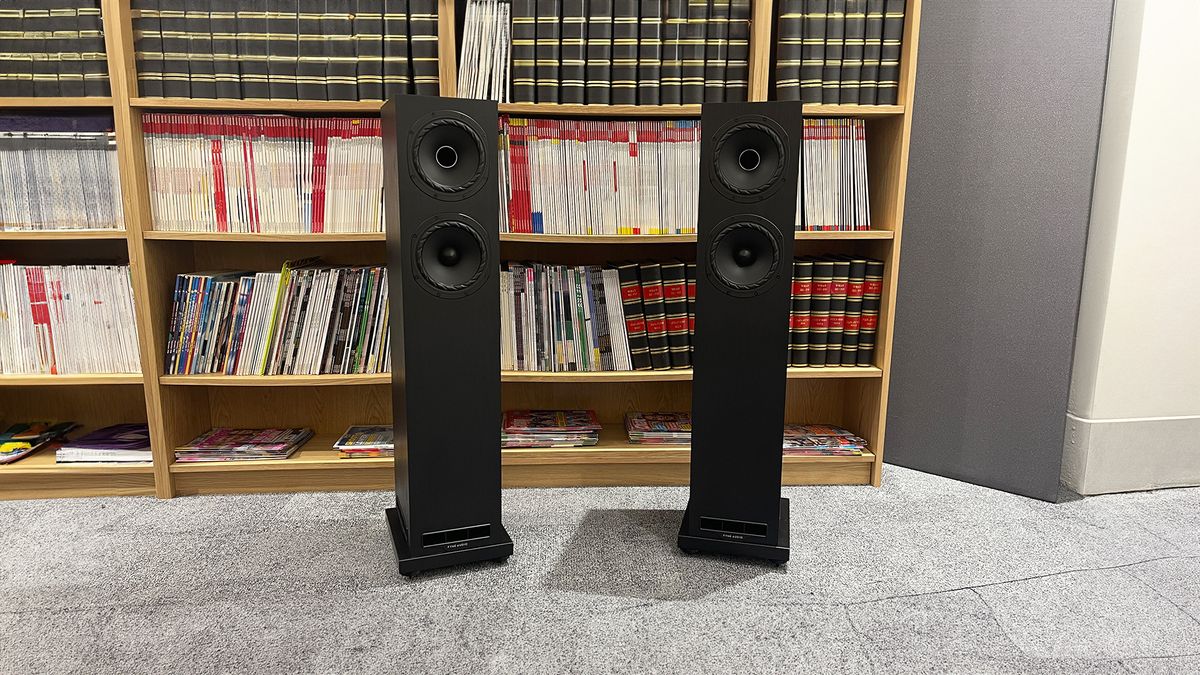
119	443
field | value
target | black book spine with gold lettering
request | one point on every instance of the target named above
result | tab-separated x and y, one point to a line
281	49
650	52
93	56
812	55
599	51
818	326
802	285
656	315
310	66
252	49
889	53
635	317
694	37
852	50
397	77
625	52
368	48
837	311
835	34
869	325
524	52
671	77
789	51
423	46
737	66
716	51
173	23
37	28
548	50
691	307
66	50
573	50
16	61
854	302
223	23
337	25
868	81
147	40
202	77
674	282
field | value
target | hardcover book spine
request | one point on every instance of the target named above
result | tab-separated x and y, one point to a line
656	315
716	51
599	51
674	280
368	49
93	54
737	67
872	44
66	50
837	312
889	54
16	69
176	48
337	25
835	33
252	48
854	303
635	318
872	293
788	55
310	66
671	78
37	29
573	51
691	306
812	54
524	53
423	46
650	52
802	286
818	331
695	34
852	50
201	69
223	24
397	77
625	52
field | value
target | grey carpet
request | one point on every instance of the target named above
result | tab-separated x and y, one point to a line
922	575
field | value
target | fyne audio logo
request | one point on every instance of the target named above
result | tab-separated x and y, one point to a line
461	544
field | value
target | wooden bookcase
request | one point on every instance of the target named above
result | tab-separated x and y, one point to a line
178	407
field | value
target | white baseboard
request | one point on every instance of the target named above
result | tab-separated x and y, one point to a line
1125	455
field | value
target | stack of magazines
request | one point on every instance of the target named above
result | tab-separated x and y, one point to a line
550	429
821	440
118	443
223	444
26	438
659	428
366	441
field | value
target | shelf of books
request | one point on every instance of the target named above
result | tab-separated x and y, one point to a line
290	336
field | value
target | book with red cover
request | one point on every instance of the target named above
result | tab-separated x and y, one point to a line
656	315
674	278
635	319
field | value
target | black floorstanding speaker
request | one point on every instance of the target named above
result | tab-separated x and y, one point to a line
749	159
441	208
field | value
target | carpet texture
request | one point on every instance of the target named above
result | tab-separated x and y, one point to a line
923	575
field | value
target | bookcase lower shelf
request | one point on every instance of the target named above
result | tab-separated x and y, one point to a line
39	477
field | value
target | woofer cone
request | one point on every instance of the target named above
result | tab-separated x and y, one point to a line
450	257
744	256
749	157
448	157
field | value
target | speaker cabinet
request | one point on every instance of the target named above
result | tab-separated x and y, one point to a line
441	208
749	161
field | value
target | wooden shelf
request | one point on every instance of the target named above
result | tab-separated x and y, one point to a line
42	463
273	380
265	237
56	102
835	236
815	110
68	380
575	110
255	105
60	235
525	237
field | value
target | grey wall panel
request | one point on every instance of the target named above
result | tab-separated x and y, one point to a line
1007	117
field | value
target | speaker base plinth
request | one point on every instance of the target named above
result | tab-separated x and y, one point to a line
779	552
500	548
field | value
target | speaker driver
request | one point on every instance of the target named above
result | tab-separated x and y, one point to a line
743	257
448	155
749	157
450	258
